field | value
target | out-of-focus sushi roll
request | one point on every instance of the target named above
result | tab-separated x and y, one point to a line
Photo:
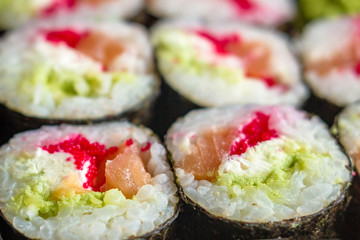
14	13
105	181
217	63
259	171
347	127
331	55
261	12
80	70
310	9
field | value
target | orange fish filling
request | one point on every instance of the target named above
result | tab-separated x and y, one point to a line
209	147
94	44
206	153
256	55
346	58
120	167
126	171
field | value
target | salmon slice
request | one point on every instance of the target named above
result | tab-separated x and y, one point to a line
348	57
257	57
126	171
100	47
207	152
69	186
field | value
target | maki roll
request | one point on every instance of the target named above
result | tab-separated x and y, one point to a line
267	13
14	13
310	10
347	127
329	50
77	71
259	171
214	64
105	181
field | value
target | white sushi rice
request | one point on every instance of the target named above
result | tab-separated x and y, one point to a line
308	191
207	89
32	51
14	13
348	129
22	161
322	39
269	13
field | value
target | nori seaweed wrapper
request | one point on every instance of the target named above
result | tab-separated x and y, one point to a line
326	223
330	222
326	110
168	107
165	231
12	122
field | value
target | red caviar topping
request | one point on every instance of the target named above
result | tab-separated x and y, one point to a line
244	5
357	69
220	43
68	36
227	44
254	132
146	147
57	5
83	152
129	142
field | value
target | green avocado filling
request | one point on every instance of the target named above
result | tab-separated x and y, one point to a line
294	157
45	82
16	7
175	47
312	9
36	198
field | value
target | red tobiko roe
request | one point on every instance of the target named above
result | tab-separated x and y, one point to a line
357	69
221	47
254	132
58	5
243	5
146	147
220	43
84	152
68	36
129	142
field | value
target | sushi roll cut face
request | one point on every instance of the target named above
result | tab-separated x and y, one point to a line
106	181
257	164
347	128
76	70
14	13
215	64
331	55
261	12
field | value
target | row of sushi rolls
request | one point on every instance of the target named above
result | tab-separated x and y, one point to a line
269	149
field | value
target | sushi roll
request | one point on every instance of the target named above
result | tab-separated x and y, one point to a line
259	171
266	13
77	71
14	13
310	10
218	63
105	181
329	49
347	128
